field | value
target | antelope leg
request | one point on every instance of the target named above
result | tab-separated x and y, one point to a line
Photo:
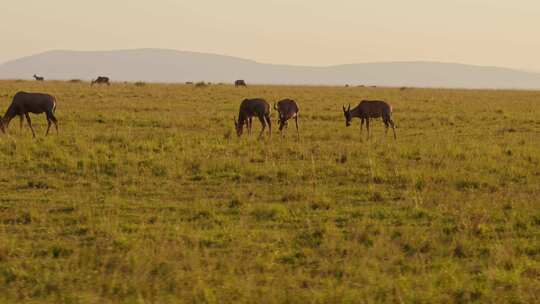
51	119
269	125
30	124
393	128
296	122
367	127
48	126
55	121
263	123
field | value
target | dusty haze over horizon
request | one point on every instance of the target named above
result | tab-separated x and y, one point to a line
297	32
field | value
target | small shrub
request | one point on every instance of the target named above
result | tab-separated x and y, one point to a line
140	84
37	185
293	196
311	239
292	258
193	166
320	205
268	213
235	203
58	251
377	197
467	185
420	184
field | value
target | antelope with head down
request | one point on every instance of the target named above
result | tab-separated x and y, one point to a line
287	109
368	109
250	108
24	103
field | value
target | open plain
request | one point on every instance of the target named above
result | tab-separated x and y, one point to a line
148	196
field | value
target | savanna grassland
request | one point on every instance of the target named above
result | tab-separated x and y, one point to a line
148	196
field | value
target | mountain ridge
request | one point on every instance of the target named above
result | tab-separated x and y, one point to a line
170	66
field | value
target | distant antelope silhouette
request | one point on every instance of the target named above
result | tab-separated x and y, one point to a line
101	80
240	83
38	78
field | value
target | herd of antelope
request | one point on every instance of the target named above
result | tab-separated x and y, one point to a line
24	103
288	109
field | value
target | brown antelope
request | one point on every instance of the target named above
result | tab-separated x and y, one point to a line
367	109
38	78
101	80
240	83
287	109
253	107
24	103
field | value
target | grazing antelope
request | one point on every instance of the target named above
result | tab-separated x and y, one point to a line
253	107
24	103
101	80
287	109
240	83
367	109
38	78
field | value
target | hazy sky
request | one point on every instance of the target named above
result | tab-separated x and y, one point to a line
301	32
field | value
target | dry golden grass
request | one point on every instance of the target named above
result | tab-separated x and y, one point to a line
147	196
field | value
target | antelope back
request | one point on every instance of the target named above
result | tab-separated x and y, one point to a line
254	107
374	108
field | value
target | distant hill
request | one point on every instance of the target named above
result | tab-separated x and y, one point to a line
158	65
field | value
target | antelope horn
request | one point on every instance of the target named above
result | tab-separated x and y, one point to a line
349	107
275	106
